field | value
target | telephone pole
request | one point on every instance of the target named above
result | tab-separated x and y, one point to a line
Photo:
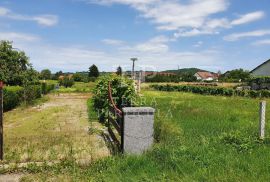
133	66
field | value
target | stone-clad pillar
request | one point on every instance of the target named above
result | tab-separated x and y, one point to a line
138	129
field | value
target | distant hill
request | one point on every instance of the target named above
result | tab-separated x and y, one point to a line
185	70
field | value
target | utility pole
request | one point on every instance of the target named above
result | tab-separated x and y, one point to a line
133	66
1	120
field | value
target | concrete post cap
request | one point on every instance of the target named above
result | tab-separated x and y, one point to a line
138	110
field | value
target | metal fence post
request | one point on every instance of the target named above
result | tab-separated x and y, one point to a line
1	120
262	120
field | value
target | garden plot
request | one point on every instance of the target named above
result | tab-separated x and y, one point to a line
54	131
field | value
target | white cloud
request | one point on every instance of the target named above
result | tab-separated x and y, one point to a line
113	42
237	36
198	44
3	11
44	20
13	36
171	14
153	46
187	18
247	18
262	42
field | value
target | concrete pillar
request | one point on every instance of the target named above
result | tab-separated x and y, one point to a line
138	129
262	120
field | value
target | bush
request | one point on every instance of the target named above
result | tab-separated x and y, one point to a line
12	97
66	81
15	95
212	90
123	92
46	87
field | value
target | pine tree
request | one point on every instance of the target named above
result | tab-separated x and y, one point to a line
93	71
119	71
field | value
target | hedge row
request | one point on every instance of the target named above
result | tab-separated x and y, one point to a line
212	90
15	95
46	88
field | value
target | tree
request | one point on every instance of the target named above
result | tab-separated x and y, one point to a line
93	71
235	75
14	65
77	77
119	71
46	74
57	75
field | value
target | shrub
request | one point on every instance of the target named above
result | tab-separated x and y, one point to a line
30	93
212	90
66	81
123	92
46	87
15	95
12	97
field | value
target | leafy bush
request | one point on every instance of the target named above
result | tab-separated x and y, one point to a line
46	87
212	90
123	92
259	83
15	95
12	97
66	81
30	93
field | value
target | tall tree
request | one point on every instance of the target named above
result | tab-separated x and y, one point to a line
13	65
46	74
119	71
93	71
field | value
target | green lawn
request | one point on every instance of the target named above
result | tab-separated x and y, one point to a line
199	138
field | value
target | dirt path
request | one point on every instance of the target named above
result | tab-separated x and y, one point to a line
56	130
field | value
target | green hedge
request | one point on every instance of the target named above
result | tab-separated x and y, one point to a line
12	97
123	92
46	87
212	90
15	95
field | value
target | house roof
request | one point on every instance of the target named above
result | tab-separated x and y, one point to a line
205	75
260	65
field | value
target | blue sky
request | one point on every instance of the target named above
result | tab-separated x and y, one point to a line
71	35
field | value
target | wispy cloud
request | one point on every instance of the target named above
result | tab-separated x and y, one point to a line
237	36
262	42
44	20
113	42
247	18
186	18
14	36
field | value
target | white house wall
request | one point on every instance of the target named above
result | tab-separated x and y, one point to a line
263	70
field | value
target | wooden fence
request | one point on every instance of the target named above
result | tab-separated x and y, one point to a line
115	121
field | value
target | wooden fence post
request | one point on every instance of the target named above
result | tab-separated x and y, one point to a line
1	120
262	120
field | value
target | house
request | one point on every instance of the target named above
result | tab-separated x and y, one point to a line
262	70
206	76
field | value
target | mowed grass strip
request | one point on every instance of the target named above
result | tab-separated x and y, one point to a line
199	138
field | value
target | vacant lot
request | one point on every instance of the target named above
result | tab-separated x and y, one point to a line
199	138
53	131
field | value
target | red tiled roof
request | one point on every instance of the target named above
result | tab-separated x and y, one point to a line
205	75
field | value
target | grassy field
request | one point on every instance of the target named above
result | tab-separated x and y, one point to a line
77	87
198	138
